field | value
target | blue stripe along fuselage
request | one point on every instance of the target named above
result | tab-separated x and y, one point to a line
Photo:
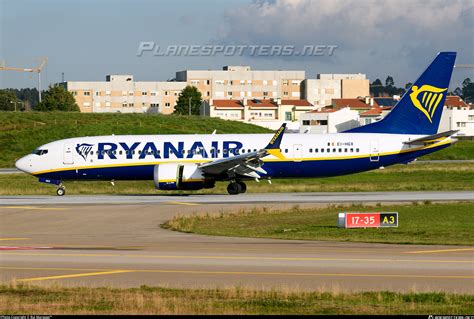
277	169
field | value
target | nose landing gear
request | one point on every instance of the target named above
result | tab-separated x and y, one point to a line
236	187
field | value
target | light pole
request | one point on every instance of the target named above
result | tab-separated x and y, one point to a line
190	106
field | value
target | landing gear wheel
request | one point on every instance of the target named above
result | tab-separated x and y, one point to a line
243	187
61	191
234	188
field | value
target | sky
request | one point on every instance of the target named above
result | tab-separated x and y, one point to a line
86	39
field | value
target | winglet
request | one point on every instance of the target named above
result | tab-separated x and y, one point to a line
274	146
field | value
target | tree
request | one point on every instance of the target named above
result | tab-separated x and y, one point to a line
389	81
376	88
408	85
182	105
468	90
57	98
458	91
8	100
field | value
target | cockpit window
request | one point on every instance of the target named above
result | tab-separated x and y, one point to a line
40	152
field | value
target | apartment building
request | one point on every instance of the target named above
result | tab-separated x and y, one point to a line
239	82
321	91
120	93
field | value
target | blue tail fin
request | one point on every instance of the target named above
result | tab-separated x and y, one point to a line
419	110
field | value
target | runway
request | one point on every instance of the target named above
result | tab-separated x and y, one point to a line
124	246
329	197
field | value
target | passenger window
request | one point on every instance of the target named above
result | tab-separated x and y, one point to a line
286	150
329	144
315	150
328	150
340	150
249	151
92	152
322	150
311	150
357	150
352	150
345	150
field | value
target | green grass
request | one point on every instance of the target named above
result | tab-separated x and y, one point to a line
155	300
444	224
462	150
20	133
413	177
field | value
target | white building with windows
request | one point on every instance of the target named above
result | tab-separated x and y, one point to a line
329	120
457	115
267	112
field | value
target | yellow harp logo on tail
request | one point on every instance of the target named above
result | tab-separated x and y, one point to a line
426	99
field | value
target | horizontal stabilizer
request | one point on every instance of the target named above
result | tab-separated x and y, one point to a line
431	138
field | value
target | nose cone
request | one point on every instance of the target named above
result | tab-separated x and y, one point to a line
24	164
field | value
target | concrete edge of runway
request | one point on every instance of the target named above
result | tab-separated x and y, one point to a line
249	198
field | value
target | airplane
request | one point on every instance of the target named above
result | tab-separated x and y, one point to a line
193	162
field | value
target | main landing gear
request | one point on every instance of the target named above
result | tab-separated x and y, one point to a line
235	188
61	191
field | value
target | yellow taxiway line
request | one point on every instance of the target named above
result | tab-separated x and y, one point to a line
439	251
75	275
204	272
182	203
33	208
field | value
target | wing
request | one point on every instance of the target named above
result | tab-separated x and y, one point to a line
249	164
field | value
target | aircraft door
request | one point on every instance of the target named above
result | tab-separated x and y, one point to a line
297	152
68	153
374	151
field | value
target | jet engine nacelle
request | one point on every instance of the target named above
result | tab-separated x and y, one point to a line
173	176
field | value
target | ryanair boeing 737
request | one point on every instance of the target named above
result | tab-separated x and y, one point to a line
193	162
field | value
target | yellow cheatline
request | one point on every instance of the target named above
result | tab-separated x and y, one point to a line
75	275
182	203
237	257
33	208
265	160
439	251
13	238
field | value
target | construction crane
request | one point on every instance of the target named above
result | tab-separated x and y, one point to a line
38	70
